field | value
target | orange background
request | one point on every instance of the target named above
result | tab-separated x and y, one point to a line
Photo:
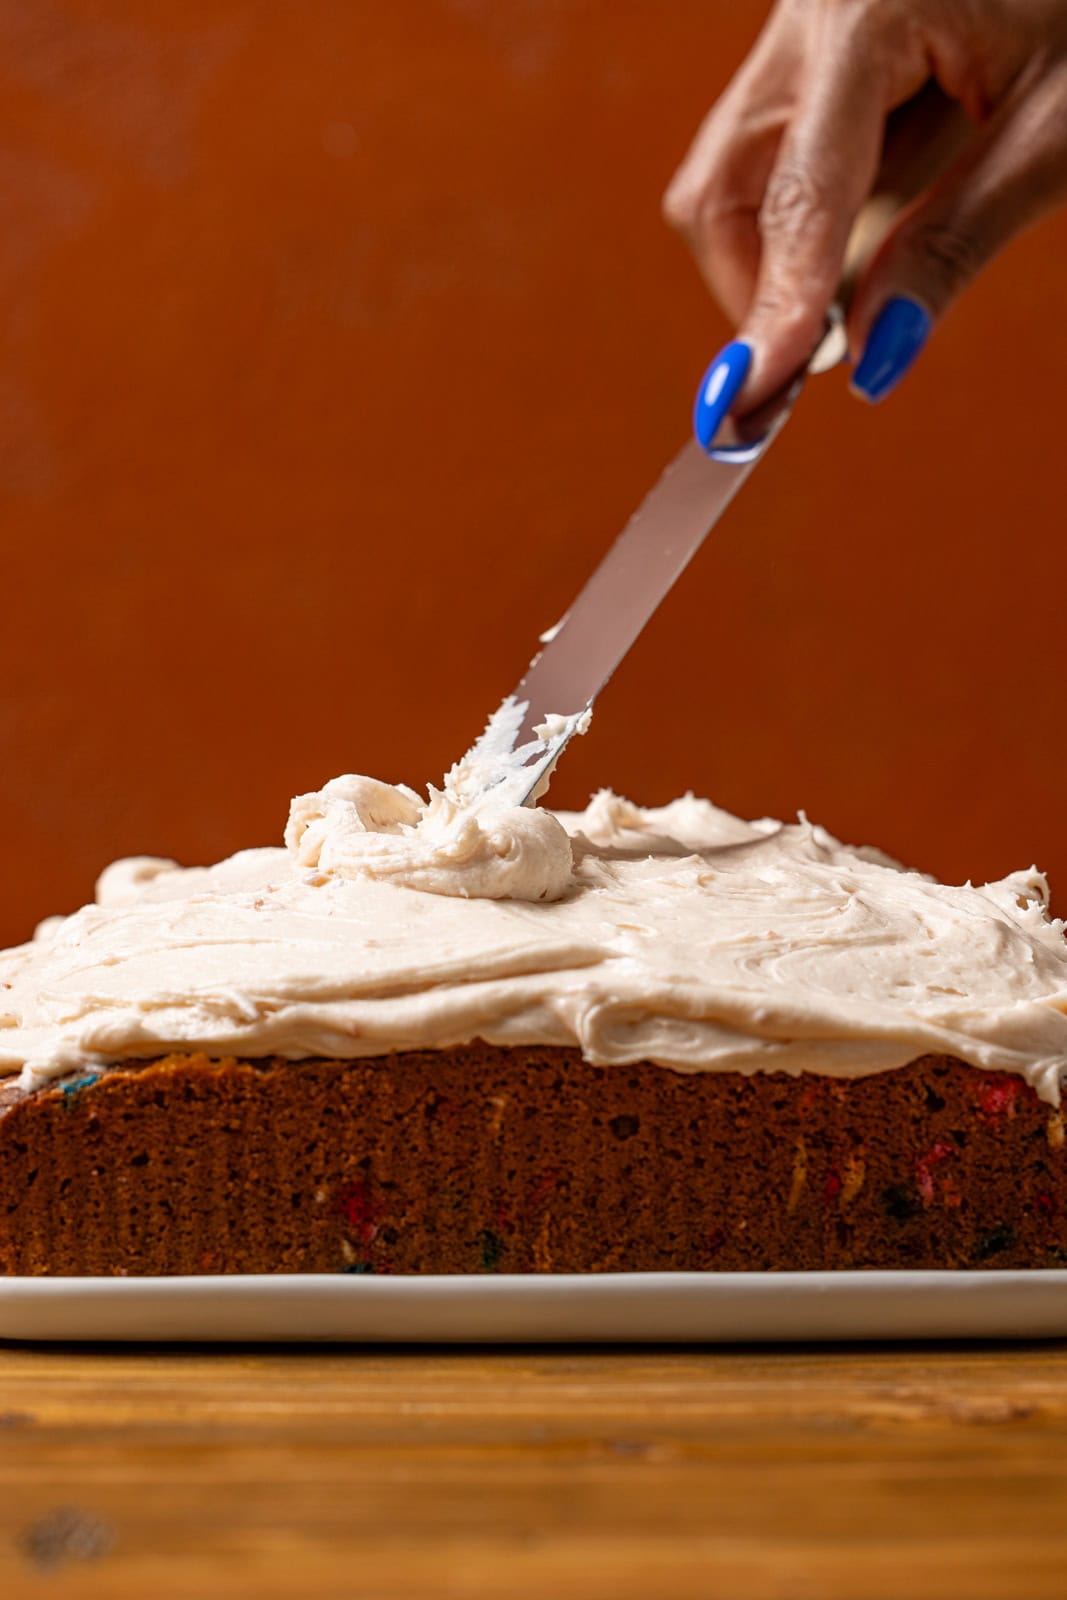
338	339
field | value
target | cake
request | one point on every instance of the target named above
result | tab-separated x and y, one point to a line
433	1037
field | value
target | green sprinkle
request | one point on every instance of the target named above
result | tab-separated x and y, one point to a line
492	1248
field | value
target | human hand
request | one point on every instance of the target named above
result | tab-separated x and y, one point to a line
768	194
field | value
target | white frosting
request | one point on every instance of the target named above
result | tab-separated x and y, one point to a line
680	935
359	828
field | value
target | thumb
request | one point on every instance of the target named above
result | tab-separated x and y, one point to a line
1011	174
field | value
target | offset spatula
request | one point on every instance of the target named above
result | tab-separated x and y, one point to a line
527	734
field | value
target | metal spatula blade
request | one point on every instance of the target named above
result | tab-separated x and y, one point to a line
533	725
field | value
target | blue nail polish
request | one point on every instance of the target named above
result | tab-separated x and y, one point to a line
718	390
900	330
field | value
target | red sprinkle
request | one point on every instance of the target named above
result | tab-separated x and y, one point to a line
939	1151
832	1186
361	1209
998	1097
1046	1203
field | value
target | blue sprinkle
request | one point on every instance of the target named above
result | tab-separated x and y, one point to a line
74	1085
359	1266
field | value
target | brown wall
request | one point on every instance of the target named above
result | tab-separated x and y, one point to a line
338	338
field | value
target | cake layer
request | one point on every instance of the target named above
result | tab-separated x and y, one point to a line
493	1159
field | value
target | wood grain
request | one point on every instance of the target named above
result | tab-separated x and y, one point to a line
367	1473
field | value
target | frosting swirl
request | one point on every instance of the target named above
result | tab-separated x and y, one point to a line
360	828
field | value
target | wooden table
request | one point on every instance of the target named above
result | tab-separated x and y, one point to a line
534	1473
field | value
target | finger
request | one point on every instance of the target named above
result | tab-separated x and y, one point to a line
827	163
1013	172
714	202
714	197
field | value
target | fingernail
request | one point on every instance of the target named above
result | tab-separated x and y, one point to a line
718	390
900	330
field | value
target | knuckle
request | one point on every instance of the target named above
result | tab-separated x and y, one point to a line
693	208
777	304
794	195
952	252
681	205
772	301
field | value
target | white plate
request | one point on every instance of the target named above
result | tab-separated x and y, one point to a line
669	1307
